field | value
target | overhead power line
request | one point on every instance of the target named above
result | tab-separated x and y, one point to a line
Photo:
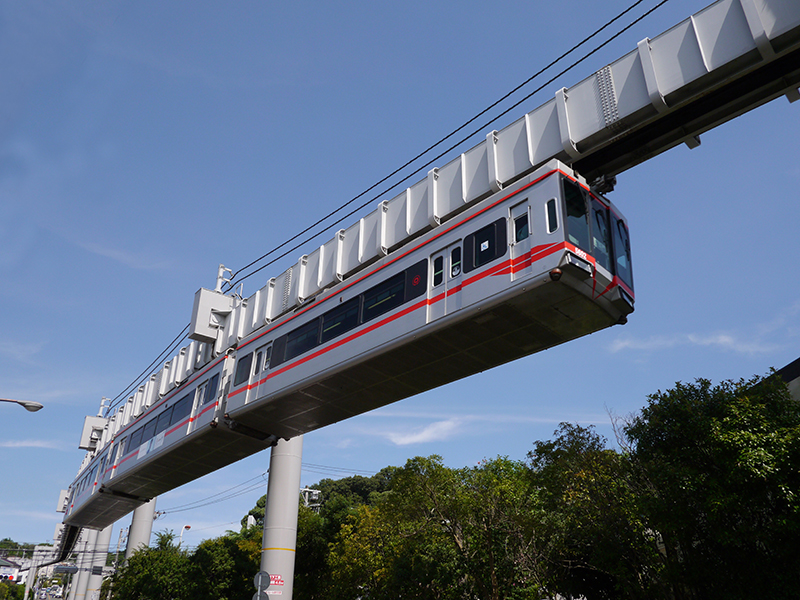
239	276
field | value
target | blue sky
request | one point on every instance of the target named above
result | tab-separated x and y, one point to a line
143	144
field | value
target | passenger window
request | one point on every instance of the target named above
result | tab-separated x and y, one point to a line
257	363
243	369
455	262
267	356
148	430
552	216
163	421
211	389
136	439
521	228
438	270
384	297
485	245
340	320
182	409
302	339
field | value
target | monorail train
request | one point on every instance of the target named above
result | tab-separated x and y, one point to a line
536	264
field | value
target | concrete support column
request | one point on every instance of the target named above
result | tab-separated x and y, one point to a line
98	560
81	578
141	528
280	517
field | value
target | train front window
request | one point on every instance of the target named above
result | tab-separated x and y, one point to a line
622	252
601	238
577	216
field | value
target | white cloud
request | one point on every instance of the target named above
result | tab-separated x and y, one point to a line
31	444
723	341
435	432
126	258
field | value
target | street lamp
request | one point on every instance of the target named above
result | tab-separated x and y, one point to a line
180	539
27	404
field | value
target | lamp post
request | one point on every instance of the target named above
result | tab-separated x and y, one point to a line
180	539
27	404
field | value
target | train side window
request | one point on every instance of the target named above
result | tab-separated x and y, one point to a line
258	361
384	297
438	270
148	430
211	389
552	215
485	245
521	229
340	320
302	339
267	357
182	409
163	420
577	216
243	369
455	262
136	439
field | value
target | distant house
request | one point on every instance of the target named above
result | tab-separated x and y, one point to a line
9	571
791	375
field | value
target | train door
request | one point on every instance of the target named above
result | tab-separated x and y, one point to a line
520	240
445	295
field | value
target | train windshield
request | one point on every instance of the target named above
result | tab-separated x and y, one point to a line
622	251
595	229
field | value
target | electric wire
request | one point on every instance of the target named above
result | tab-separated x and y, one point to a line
227	494
236	279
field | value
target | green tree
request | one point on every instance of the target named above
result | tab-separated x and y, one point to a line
488	516
599	545
161	573
722	464
227	564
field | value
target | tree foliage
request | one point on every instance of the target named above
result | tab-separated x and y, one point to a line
723	467
702	500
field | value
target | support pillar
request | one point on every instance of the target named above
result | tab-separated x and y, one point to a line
280	516
84	565
98	560
141	528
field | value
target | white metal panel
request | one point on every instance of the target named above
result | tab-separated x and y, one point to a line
369	237
677	58
327	264
448	191
396	220
348	249
723	32
779	16
511	151
544	137
585	110
280	288
475	172
420	213
629	84
309	285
